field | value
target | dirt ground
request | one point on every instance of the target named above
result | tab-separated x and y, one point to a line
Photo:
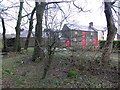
18	71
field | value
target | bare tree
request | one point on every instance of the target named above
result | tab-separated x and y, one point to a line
112	30
4	38
38	30
52	40
17	46
52	25
30	29
3	14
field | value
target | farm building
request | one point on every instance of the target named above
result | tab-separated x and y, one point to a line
23	34
83	35
76	34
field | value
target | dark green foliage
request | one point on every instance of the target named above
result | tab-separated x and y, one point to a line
10	42
116	44
7	71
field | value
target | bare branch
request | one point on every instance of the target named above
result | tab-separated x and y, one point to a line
58	2
60	8
1	1
5	9
80	8
26	12
113	2
26	15
52	7
77	6
117	13
116	6
10	15
28	3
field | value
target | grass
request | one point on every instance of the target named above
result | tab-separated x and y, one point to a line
30	49
72	74
1	43
18	71
0	66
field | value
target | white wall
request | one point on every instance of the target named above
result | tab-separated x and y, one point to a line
105	36
115	37
100	35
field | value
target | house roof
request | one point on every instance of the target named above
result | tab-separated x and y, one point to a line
85	28
10	35
24	33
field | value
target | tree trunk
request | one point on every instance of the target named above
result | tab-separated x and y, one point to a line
4	38
51	46
47	61
38	31
111	33
17	46
30	29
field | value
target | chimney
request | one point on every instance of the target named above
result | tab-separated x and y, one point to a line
91	25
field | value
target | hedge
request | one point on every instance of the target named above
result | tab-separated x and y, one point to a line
116	44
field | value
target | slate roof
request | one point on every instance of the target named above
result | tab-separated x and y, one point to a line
24	33
85	28
10	35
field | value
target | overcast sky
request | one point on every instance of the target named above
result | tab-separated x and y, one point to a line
96	14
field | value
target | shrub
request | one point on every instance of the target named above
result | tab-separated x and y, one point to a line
116	44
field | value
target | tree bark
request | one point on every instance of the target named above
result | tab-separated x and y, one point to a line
4	38
49	57
17	46
30	29
111	33
38	31
47	65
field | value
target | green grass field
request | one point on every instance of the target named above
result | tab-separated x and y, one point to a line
0	43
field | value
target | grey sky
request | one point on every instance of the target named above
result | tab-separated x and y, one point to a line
96	14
